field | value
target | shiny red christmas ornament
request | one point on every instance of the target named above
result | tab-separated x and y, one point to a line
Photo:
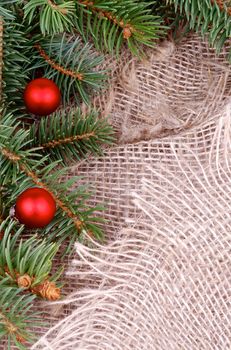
42	96
35	208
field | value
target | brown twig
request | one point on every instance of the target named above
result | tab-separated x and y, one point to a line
128	29
57	7
70	139
56	66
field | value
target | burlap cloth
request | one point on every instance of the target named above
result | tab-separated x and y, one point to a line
162	279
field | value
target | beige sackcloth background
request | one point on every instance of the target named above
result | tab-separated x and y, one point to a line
162	279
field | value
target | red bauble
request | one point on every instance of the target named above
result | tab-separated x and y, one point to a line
35	208
42	96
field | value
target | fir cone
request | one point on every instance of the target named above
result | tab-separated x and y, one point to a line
20	339
24	281
47	290
127	33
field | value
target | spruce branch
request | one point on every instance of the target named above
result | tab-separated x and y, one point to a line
1	55
27	263
22	168
67	136
15	52
16	317
111	23
53	16
127	28
72	65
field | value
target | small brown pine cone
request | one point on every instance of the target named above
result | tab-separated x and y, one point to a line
47	290
127	33
20	339
24	281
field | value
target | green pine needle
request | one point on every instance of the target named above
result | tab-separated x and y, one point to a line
6	10
15	56
53	16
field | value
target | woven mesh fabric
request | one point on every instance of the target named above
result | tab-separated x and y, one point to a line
162	278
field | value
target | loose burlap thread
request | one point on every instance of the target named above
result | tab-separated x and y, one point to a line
162	278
